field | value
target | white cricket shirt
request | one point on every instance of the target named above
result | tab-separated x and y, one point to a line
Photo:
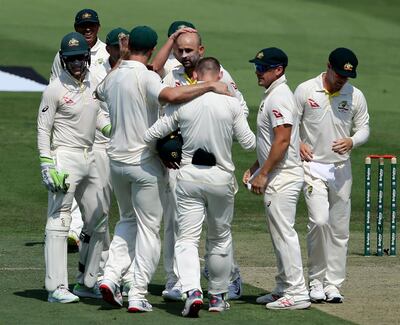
327	117
178	77
278	108
68	114
131	93
208	122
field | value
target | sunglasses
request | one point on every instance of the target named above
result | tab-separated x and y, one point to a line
264	68
72	58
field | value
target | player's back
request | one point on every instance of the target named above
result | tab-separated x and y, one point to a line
207	123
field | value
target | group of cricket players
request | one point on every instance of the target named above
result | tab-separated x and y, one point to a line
155	131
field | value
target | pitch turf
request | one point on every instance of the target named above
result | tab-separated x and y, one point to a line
233	31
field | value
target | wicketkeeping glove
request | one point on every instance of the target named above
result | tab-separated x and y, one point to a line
53	179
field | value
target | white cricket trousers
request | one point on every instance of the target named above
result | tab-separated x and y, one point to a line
204	192
280	200
139	190
329	208
85	186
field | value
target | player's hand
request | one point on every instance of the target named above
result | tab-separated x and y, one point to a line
306	153
170	164
341	146
53	180
246	177
259	184
220	88
123	42
180	31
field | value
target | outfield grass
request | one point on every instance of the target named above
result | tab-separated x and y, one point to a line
233	31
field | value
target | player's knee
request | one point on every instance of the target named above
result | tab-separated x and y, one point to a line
59	222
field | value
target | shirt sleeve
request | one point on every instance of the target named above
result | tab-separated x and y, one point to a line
45	121
154	85
280	112
56	68
299	102
361	122
227	79
241	129
102	118
163	126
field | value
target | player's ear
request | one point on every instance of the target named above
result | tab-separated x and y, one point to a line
220	74
201	50
195	75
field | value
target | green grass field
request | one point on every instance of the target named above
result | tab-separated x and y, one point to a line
233	31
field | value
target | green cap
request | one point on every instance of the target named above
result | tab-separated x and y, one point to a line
74	44
142	38
86	16
271	57
344	62
114	36
178	25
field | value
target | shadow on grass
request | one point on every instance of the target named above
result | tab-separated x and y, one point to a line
39	294
34	243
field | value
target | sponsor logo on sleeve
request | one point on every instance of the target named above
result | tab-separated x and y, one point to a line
44	109
277	113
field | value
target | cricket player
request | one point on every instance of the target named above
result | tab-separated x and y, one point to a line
278	176
333	120
205	186
133	95
67	121
87	23
188	50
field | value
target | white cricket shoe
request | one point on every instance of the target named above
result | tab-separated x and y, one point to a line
62	295
235	289
111	293
84	292
317	293
266	299
193	304
217	303
289	303
172	292
137	306
333	295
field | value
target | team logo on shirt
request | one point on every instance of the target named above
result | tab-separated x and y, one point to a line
268	204
68	100
44	109
277	114
343	107
100	61
234	85
313	104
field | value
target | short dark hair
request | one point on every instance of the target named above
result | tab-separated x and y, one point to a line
208	64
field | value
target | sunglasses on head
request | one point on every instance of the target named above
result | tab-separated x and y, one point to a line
264	68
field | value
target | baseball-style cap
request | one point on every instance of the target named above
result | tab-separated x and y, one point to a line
86	16
178	25
74	44
143	38
271	57
114	36
344	62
